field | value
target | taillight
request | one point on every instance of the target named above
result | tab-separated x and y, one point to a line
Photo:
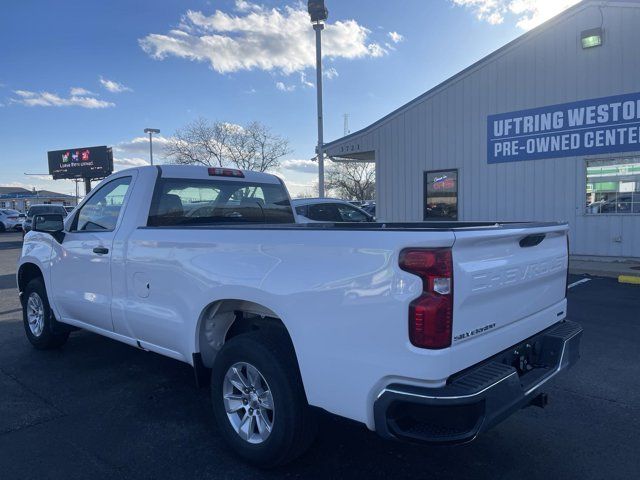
431	314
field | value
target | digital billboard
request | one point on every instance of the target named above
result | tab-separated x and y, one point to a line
85	162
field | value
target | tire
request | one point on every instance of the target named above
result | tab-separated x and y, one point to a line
2	227
41	328
293	422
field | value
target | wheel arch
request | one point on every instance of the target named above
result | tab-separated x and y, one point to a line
223	319
27	272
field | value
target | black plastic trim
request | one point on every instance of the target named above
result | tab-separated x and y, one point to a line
477	398
202	374
366	226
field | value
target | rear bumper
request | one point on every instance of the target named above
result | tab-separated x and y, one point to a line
480	397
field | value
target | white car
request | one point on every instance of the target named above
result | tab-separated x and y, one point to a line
310	210
10	220
422	332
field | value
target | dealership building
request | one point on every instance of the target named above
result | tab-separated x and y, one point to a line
546	128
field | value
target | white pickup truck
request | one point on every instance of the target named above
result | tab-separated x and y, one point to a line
424	332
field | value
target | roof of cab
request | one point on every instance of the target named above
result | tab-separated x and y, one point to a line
202	172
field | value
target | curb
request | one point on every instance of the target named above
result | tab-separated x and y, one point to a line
632	279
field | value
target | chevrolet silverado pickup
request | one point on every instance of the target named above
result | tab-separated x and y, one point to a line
424	332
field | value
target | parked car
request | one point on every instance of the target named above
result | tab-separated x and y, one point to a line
9	220
310	210
39	210
421	332
370	208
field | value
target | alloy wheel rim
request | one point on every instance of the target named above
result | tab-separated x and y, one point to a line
35	314
248	402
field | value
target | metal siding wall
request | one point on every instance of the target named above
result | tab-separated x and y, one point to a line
448	130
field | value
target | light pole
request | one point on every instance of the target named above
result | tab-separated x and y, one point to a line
319	13
151	131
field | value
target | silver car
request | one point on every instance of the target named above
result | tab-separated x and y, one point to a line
333	210
9	220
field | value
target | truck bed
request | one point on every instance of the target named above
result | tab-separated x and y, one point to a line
371	226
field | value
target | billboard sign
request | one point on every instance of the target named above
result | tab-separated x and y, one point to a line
589	127
86	162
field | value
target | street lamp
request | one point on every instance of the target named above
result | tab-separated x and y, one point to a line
319	13
151	131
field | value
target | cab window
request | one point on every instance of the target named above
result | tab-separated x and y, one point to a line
100	213
214	201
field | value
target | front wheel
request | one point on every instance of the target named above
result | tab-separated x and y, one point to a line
39	323
258	399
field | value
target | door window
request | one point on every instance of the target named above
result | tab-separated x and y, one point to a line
351	214
100	213
324	212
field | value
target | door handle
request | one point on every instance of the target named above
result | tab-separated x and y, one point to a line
101	250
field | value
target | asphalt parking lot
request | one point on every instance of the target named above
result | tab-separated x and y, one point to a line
99	409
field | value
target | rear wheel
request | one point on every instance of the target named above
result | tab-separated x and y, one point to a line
39	324
258	399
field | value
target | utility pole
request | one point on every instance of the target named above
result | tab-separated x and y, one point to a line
319	13
151	131
346	124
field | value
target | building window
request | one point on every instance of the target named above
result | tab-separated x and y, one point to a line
441	195
613	186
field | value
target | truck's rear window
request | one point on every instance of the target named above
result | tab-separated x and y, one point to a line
179	201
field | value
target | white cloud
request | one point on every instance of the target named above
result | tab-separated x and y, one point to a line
129	162
306	166
330	73
244	6
255	37
304	81
80	91
284	87
113	86
376	50
529	13
395	37
135	152
48	99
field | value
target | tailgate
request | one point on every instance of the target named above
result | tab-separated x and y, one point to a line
504	275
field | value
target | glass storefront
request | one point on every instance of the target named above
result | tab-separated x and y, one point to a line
613	186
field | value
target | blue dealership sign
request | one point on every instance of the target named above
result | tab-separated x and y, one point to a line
589	127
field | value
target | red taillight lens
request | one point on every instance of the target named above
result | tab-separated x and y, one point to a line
431	314
225	172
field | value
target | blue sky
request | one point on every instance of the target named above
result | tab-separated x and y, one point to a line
80	73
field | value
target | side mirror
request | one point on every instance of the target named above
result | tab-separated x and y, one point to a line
52	223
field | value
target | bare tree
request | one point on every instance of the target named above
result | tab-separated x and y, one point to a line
352	180
309	192
199	143
266	148
221	144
